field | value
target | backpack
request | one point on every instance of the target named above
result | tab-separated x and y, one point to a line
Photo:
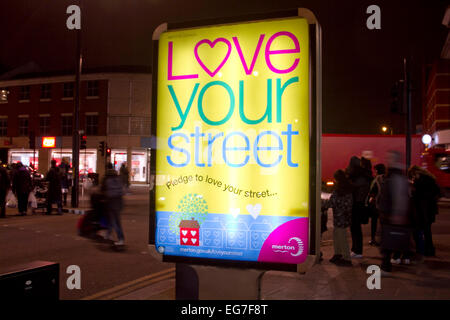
113	187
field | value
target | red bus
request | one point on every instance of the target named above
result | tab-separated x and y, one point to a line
437	162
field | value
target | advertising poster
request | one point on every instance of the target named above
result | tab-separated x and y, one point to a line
232	159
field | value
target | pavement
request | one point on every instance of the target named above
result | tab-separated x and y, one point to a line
428	280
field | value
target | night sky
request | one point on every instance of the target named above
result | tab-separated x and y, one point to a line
359	65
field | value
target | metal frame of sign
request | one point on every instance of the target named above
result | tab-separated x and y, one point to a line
315	109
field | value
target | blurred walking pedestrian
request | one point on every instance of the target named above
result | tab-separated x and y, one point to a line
374	193
360	182
22	186
425	195
112	189
54	194
395	216
5	185
341	201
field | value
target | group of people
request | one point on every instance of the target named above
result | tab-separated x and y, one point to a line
19	181
404	204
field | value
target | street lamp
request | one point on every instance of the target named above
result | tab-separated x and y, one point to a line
386	129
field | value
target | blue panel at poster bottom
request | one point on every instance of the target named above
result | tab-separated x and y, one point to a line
220	236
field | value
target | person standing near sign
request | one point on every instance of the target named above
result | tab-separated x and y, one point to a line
361	183
425	196
341	201
372	199
394	207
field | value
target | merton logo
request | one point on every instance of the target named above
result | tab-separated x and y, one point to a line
294	247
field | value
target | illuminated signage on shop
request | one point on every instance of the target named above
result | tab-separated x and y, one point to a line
48	142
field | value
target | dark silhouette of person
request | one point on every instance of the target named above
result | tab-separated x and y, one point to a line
372	199
54	194
394	207
22	186
65	182
5	185
360	182
425	195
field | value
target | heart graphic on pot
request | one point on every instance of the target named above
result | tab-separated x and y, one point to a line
212	44
235	212
254	210
184	232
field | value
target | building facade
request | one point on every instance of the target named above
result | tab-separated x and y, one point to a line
115	108
436	86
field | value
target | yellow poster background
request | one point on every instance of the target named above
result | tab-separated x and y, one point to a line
281	190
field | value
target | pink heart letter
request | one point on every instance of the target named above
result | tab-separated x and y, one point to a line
212	44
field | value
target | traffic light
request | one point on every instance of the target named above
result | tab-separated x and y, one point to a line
101	148
397	97
32	140
83	140
108	151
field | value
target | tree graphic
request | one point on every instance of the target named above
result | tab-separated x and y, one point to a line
190	206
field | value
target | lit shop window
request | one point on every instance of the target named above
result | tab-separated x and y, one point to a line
25	157
138	167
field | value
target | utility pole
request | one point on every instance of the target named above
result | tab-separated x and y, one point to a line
407	101
76	124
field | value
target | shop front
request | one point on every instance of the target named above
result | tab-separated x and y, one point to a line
88	159
119	157
139	166
24	156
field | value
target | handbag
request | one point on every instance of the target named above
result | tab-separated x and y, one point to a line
395	238
32	200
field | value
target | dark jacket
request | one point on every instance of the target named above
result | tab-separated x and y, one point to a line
5	183
64	171
112	186
393	201
360	180
54	184
22	182
342	209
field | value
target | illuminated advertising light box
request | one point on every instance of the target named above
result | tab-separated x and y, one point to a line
233	148
48	142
